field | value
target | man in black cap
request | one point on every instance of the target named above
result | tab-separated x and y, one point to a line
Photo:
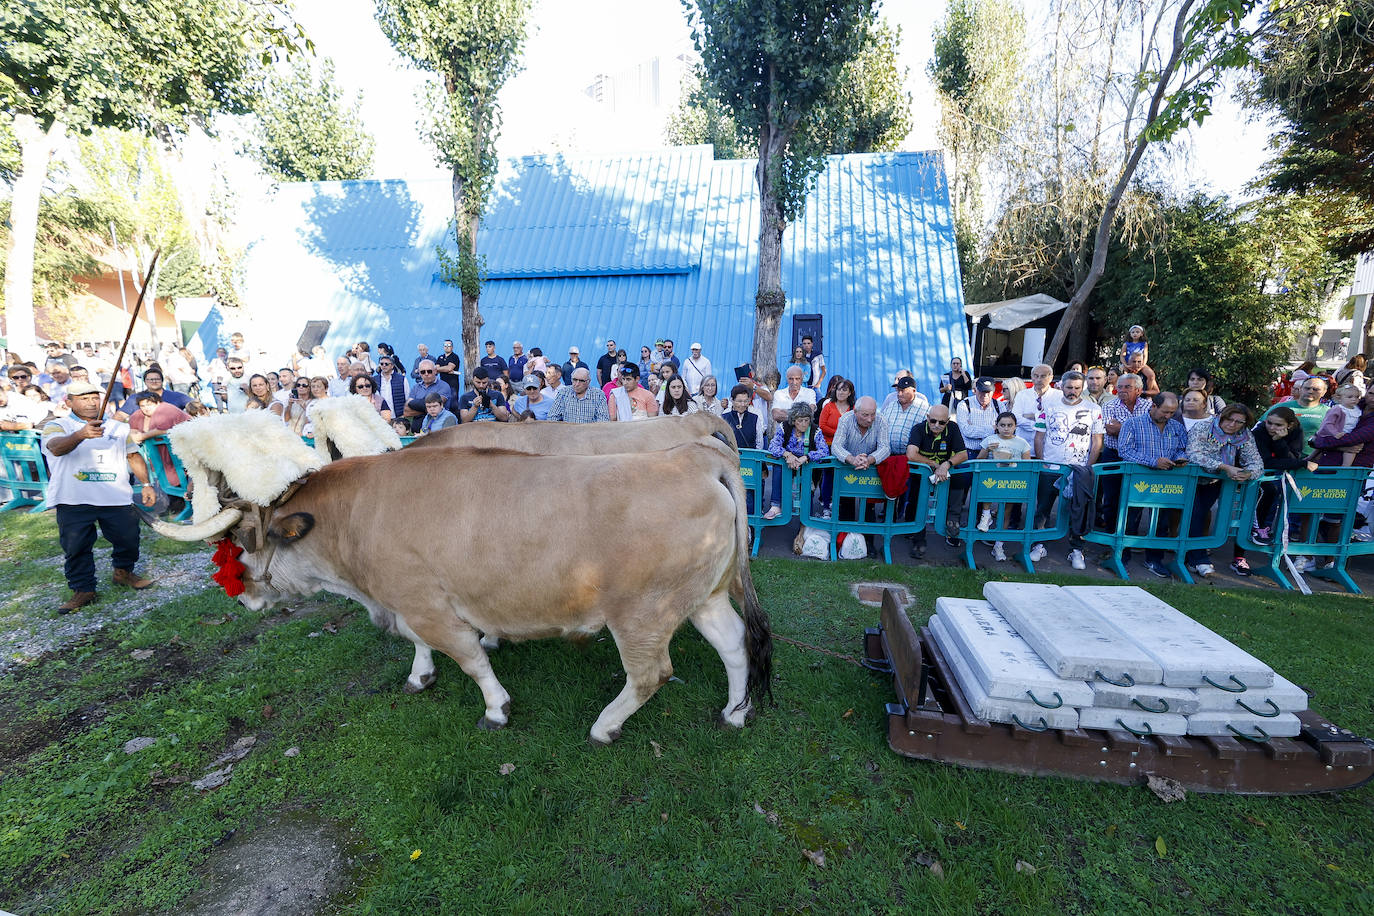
976	415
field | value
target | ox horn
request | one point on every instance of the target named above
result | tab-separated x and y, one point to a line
212	527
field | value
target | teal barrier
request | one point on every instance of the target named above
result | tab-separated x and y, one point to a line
1153	492
1008	485
865	490
753	463
163	468
1319	502
22	470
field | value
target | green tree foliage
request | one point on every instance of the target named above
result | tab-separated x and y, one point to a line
1320	81
777	67
304	131
1220	290
472	47
71	229
869	112
976	68
154	66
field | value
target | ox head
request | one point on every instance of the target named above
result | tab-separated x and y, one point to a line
242	467
271	574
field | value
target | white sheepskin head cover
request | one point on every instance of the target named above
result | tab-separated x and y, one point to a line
257	454
353	425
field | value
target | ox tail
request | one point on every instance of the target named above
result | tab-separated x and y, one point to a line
758	633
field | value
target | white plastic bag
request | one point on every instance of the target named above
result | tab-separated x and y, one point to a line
854	547
815	544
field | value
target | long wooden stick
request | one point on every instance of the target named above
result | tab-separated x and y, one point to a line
133	320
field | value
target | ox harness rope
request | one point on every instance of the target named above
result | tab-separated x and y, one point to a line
252	531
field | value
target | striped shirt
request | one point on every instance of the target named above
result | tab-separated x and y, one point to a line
1115	410
1143	442
899	422
590	408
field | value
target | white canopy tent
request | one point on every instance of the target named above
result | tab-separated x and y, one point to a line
1008	316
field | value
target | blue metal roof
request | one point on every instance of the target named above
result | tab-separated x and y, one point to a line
634	248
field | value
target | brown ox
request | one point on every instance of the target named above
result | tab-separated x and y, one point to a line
440	592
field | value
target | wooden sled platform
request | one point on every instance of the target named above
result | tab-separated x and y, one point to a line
931	720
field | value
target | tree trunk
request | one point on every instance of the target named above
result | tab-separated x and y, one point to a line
770	299
150	297
37	147
469	281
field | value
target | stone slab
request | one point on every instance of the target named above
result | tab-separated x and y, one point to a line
1286	725
1005	664
1073	639
996	709
1186	650
1182	700
1159	723
1286	695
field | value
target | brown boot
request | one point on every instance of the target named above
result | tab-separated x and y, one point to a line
76	601
130	578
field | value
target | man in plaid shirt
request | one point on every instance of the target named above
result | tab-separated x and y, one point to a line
579	402
1115	412
1157	441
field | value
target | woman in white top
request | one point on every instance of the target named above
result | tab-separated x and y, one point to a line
1194	409
708	399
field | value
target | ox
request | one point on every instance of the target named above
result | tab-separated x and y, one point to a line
441	592
583	438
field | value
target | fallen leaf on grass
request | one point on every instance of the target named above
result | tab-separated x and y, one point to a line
658	748
292	751
1256	821
330	628
213	780
1111	830
1333	867
960	825
663	816
156	778
770	816
1025	867
848	713
134	745
937	870
507	769
1165	789
237	751
267	711
816	856
141	655
1160	848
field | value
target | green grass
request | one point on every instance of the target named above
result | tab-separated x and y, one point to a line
577	829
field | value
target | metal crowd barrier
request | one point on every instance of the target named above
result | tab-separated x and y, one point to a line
1321	502
23	472
875	513
1013	488
1157	497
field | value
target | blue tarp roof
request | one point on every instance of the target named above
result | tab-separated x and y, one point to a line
633	247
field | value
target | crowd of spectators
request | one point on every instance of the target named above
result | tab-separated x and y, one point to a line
1082	418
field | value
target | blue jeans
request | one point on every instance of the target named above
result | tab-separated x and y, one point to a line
76	532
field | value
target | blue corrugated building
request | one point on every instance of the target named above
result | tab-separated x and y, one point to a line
633	247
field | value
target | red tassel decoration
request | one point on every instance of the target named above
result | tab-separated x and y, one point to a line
230	575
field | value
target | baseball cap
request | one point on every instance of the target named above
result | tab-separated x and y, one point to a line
76	388
531	382
904	383
574	350
696	346
985	384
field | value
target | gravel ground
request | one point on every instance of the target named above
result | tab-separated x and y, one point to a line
42	629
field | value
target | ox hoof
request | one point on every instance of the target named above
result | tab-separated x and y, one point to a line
735	718
488	724
411	687
594	741
490	643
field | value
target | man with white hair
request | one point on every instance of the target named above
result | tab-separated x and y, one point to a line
1033	401
579	401
423	351
515	366
793	393
861	439
429	381
698	367
338	383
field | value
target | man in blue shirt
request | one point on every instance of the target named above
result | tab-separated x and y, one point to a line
1156	440
516	363
429	382
496	366
483	402
153	381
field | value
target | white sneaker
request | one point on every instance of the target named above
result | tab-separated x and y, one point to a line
1204	569
773	512
1304	564
1038	553
985	520
1076	559
1361	536
825	515
999	553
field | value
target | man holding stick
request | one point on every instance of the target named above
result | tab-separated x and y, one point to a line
88	482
